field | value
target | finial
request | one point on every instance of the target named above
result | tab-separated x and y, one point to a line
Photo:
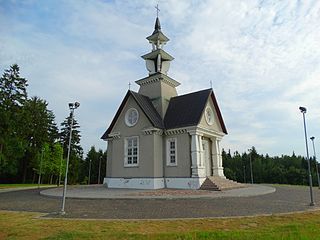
129	84
158	10
210	83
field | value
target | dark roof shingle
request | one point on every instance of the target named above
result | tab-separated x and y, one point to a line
146	106
186	110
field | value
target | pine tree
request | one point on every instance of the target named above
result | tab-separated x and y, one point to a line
76	152
40	130
13	95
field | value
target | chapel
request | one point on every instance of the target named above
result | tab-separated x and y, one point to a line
159	139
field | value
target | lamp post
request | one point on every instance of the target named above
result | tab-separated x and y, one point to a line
99	169
315	158
89	172
72	107
39	178
59	181
250	158
303	111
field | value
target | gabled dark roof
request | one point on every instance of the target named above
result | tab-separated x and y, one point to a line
146	106
186	110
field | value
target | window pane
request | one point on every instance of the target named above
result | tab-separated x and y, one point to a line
129	160
134	142
135	160
135	151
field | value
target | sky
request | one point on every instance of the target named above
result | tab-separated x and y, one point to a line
262	57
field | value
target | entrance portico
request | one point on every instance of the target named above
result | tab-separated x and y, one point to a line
205	153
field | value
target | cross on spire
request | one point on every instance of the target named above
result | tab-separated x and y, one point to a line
158	10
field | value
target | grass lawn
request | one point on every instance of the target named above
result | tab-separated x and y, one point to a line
15	225
27	185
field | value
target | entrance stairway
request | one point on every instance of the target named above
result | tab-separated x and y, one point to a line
216	183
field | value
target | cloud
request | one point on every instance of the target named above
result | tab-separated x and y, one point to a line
262	57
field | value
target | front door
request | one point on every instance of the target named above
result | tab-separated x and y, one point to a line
206	156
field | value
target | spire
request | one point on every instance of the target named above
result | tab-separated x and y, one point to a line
157	38
157	26
158	60
158	86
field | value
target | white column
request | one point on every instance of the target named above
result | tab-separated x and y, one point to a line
197	169
216	158
194	150
201	152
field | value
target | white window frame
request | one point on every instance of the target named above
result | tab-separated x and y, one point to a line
169	154
126	156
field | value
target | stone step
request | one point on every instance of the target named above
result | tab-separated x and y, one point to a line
215	183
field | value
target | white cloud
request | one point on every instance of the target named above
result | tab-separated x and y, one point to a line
263	59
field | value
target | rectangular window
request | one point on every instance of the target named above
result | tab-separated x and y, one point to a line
172	152
131	151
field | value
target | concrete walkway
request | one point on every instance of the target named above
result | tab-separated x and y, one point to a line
172	204
101	192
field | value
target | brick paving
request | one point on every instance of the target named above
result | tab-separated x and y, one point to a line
284	199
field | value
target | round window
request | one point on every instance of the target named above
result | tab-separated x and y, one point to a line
132	117
209	115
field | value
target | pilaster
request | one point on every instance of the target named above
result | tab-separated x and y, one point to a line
197	169
216	158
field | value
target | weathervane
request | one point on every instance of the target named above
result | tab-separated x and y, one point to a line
158	10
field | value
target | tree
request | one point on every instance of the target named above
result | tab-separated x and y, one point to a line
76	152
13	95
26	128
39	131
284	169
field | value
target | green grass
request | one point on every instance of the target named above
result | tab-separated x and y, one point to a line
27	185
22	225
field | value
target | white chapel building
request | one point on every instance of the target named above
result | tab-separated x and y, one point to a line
158	139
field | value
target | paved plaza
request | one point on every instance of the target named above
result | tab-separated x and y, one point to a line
97	202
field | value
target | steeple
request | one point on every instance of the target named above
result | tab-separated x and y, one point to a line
157	60
158	86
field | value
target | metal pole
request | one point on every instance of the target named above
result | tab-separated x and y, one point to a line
244	174
68	156
59	181
99	170
315	158
89	172
251	167
39	178
308	159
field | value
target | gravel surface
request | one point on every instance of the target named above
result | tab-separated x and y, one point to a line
284	199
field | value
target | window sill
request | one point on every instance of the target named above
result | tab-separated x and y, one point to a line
172	165
131	166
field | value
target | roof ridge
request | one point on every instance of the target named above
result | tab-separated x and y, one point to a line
208	89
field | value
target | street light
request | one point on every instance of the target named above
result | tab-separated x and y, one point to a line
303	111
250	158
39	177
315	158
72	107
99	169
61	157
89	171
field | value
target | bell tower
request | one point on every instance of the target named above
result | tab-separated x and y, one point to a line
158	86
